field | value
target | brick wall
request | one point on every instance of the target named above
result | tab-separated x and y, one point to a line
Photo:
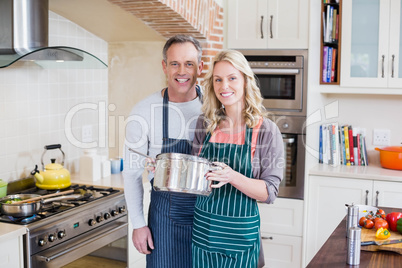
202	19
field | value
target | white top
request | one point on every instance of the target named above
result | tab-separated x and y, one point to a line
144	134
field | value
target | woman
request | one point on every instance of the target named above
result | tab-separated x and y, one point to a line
249	147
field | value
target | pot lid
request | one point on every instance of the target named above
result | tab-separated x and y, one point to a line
397	149
53	165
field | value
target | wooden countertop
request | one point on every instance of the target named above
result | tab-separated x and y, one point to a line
334	252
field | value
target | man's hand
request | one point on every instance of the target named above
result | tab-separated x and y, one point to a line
142	238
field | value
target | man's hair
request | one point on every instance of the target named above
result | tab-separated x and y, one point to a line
180	39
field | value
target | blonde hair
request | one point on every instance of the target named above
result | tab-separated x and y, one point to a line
212	107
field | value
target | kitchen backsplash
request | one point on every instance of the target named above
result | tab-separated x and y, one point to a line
39	106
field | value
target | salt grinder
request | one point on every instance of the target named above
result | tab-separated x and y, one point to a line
354	240
352	218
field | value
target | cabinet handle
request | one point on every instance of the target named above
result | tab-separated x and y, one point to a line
376	198
267	237
261	29
382	65
270	26
393	62
367	192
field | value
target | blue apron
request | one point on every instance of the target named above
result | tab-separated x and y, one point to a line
171	214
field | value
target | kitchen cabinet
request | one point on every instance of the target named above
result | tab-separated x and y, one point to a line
261	24
371	45
12	254
326	201
281	232
135	258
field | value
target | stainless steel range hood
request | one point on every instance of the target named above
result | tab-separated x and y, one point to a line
24	35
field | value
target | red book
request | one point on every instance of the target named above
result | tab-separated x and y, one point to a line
352	159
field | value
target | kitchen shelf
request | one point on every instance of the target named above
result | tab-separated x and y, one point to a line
334	45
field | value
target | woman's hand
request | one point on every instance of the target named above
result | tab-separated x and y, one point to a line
222	176
150	164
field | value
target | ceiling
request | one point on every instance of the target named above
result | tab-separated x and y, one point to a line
107	21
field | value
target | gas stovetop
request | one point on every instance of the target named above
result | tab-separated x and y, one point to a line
89	194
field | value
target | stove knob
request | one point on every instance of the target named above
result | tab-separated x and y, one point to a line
122	209
99	218
286	125
41	242
51	238
106	216
114	212
91	222
61	234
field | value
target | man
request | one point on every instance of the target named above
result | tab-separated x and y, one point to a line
162	123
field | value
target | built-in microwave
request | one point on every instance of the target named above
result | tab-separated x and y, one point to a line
282	77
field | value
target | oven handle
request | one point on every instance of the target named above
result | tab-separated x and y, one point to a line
275	71
83	245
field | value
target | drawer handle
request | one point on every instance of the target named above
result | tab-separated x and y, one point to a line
267	237
261	29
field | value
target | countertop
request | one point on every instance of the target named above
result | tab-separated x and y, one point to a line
334	252
372	172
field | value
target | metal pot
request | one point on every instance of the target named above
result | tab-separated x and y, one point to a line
391	157
20	210
183	173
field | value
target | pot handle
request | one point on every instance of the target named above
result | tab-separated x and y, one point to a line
377	149
215	166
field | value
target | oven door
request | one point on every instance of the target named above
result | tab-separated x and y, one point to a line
85	244
281	89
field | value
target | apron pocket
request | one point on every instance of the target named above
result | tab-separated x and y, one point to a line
181	208
226	235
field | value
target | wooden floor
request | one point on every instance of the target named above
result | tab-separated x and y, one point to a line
95	262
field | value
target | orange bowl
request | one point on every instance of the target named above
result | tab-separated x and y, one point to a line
391	157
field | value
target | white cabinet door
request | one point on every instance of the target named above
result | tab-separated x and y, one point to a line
326	201
282	251
371	44
285	216
387	194
287	24
11	253
247	24
261	24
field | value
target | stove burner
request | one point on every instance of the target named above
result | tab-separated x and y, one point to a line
24	220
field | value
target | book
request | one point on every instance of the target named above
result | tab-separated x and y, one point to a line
324	64
342	145
334	21
333	65
329	64
328	25
356	157
351	146
324	144
347	152
359	159
335	152
320	160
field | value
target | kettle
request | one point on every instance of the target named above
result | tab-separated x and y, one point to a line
53	176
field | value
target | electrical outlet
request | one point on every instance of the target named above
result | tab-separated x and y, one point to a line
381	137
87	133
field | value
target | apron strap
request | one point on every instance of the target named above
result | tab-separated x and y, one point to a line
165	112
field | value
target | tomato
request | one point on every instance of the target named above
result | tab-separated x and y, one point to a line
362	221
381	223
380	212
369	224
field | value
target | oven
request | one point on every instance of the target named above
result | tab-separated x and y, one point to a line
282	78
65	232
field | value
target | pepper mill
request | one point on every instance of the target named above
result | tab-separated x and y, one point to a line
352	218
354	240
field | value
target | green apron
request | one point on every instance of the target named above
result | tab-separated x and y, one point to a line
227	222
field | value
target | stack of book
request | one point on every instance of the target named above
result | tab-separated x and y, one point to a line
330	22
342	145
